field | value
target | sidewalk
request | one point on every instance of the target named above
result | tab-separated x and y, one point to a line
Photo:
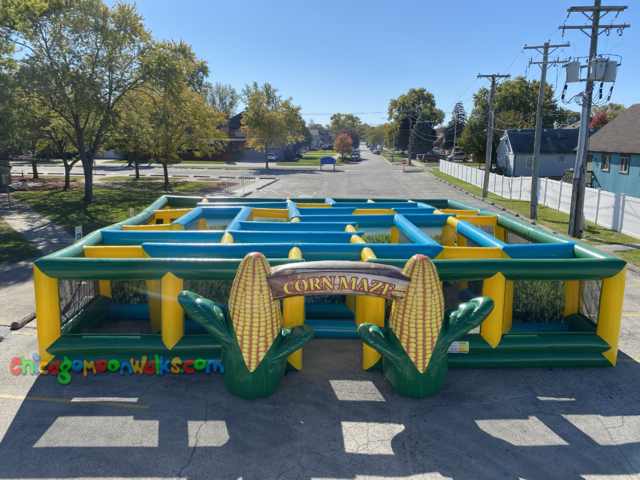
16	278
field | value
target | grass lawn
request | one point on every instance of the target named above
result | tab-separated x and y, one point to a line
398	155
67	210
548	217
309	159
157	184
321	153
13	246
204	162
631	256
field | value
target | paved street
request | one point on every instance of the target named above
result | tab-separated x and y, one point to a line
332	420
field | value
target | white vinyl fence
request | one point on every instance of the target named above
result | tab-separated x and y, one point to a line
614	211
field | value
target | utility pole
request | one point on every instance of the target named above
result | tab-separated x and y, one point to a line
409	146
533	211
487	160
393	152
579	171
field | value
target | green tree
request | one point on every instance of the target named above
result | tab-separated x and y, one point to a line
415	101
405	110
343	145
80	58
224	99
346	123
611	109
269	120
456	125
422	136
180	117
133	136
515	106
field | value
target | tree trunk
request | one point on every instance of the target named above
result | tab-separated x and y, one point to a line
87	169
166	176
67	173
266	156
34	166
137	167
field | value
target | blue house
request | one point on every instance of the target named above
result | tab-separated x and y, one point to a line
615	150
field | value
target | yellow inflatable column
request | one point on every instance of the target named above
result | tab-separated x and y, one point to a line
369	310
500	233
491	328
47	311
202	224
395	235
171	313
104	287
293	315
571	297
610	313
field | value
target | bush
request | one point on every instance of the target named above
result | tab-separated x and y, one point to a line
288	155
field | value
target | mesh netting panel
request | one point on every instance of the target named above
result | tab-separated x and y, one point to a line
454	294
538	301
487	229
74	294
129	291
590	299
514	239
215	290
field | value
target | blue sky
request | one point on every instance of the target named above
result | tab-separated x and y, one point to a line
353	56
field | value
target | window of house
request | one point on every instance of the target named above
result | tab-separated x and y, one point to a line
604	166
624	165
561	158
529	162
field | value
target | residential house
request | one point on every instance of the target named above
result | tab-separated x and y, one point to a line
557	154
616	154
234	149
321	136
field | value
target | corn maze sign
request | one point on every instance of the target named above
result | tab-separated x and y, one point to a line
338	278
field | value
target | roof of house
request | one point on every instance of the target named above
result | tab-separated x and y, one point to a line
620	135
553	141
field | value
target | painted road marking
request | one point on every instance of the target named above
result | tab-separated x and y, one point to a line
631	314
70	400
25	333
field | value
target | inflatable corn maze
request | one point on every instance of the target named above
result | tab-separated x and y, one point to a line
426	284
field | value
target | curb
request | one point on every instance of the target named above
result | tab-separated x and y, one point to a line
23	321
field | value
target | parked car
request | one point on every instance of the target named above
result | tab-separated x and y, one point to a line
437	150
327	147
304	150
355	157
376	151
429	157
272	157
458	157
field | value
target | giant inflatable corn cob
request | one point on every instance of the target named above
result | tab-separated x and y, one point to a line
254	345
420	332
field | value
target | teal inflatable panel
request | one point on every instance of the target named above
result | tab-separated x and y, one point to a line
138	237
334	311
